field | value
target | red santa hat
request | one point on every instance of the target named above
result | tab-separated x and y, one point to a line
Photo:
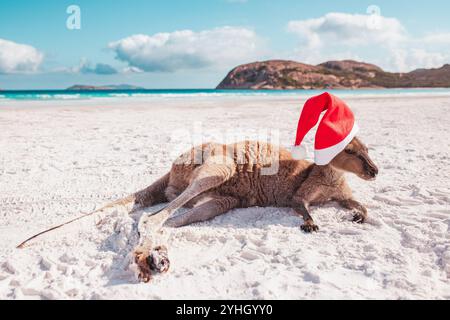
336	129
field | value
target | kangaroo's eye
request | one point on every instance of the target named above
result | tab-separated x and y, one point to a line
349	151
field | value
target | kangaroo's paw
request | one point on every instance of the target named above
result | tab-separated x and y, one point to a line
359	217
309	226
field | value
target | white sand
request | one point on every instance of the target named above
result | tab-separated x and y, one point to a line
60	158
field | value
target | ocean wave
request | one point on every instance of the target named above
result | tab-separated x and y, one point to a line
51	97
119	95
58	96
187	94
68	96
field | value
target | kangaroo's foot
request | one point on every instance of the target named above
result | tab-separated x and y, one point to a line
141	255
158	260
150	260
308	222
309	226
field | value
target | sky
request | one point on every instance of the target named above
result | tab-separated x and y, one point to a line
48	44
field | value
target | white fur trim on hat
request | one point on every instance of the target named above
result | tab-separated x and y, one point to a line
299	152
324	156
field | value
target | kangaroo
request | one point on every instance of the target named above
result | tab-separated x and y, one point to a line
212	179
230	176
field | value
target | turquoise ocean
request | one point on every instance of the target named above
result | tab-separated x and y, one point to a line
90	94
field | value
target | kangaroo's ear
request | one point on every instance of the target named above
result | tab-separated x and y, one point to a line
351	147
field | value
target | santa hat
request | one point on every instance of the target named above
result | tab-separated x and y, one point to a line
336	129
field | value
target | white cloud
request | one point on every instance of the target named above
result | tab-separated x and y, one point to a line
131	70
414	58
86	67
18	58
350	29
186	49
436	38
377	39
99	68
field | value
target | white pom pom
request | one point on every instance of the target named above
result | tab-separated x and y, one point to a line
299	152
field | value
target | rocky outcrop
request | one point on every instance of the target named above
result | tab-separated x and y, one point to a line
439	77
351	66
283	74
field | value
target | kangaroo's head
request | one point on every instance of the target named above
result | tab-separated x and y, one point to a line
355	158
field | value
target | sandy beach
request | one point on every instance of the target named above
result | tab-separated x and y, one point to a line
59	159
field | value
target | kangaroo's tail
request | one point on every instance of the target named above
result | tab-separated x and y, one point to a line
149	196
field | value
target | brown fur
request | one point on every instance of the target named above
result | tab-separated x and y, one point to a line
213	178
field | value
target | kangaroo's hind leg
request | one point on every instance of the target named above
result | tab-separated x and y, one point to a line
205	178
153	194
150	256
206	208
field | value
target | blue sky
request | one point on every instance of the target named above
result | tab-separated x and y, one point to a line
184	44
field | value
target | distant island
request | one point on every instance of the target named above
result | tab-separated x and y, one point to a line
345	74
79	87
